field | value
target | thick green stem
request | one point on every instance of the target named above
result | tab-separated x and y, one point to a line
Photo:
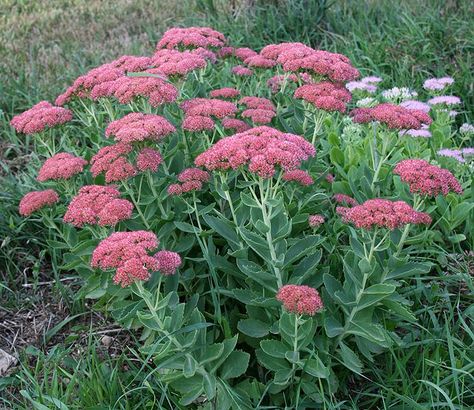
266	219
417	201
143	294
155	194
213	282
137	206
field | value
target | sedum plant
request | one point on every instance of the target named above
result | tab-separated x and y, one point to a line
220	202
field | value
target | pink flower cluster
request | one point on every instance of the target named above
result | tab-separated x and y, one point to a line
191	180
242	71
112	161
206	54
196	123
157	90
132	63
199	112
241	52
297	56
315	221
61	166
191	37
148	159
208	107
259	110
298	175
382	213
96	204
40	116
168	262
139	127
300	300
127	252
427	179
344	199
91	83
33	201
259	61
435	84
261	148
235	124
325	95
174	62
226	92
394	116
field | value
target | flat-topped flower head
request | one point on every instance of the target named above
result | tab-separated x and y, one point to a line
393	116
112	161
416	105
259	110
61	166
208	107
196	123
226	92
205	53
444	100
36	200
258	115
139	127
382	213
132	63
242	71
177	63
148	159
258	61
242	53
97	204
168	262
344	199
193	174
156	90
191	179
262	149
39	117
426	179
225	52
300	176
300	299
436	84
191	37
257	103
315	221
299	57
96	82
128	253
325	95
235	124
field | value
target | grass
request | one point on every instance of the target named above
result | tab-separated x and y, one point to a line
42	49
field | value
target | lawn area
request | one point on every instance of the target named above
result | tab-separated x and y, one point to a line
258	227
